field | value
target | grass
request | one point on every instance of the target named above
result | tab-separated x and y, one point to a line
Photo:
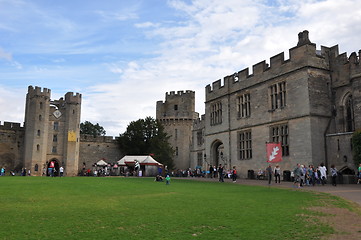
139	208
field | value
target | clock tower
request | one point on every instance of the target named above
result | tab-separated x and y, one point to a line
52	131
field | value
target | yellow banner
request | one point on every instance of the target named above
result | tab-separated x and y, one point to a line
71	136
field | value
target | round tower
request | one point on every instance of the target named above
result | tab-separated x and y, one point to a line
72	109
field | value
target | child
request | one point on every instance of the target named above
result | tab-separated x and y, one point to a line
167	178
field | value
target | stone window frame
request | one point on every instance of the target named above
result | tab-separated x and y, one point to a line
199	158
200	138
280	134
349	121
216	113
54	149
278	95
244	105
245	144
56	126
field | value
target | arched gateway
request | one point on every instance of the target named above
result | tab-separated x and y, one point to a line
56	167
217	153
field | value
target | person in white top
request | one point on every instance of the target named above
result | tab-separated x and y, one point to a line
61	171
323	173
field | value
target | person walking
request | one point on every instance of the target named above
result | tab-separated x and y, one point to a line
210	171
277	173
323	173
359	174
234	174
297	174
333	175
220	173
269	173
167	180
61	171
51	169
214	171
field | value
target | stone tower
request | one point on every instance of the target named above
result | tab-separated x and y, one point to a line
177	114
51	131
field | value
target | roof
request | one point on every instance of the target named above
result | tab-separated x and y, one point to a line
142	159
102	163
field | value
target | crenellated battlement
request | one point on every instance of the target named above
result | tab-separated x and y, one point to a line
38	92
10	126
98	139
199	123
303	55
217	85
355	66
71	98
173	94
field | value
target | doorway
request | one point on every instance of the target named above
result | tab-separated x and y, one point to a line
56	167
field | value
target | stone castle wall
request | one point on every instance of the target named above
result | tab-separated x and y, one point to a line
11	145
92	149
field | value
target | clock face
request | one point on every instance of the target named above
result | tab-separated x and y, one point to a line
57	114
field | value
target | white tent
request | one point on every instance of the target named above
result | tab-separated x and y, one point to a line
102	163
143	160
150	161
148	165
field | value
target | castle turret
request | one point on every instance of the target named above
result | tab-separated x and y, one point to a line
72	109
177	114
36	128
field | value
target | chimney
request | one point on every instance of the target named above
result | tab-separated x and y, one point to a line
303	38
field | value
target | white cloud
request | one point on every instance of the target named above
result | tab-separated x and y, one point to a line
146	25
5	55
12	102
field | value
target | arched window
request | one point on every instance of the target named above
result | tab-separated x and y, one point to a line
36	168
349	121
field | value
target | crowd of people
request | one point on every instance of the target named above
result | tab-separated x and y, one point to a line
213	172
307	176
303	175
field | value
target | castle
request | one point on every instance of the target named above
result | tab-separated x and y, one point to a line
311	103
51	132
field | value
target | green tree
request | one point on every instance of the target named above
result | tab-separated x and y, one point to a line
356	147
147	137
92	129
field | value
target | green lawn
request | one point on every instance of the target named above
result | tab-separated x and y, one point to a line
139	208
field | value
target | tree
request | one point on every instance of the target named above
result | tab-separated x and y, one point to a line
91	129
147	137
356	147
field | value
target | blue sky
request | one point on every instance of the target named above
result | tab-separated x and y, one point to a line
123	56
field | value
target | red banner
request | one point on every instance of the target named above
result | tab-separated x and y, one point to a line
274	152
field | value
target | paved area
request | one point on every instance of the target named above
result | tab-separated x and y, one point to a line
350	192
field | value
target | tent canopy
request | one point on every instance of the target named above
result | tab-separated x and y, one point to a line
143	160
102	163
